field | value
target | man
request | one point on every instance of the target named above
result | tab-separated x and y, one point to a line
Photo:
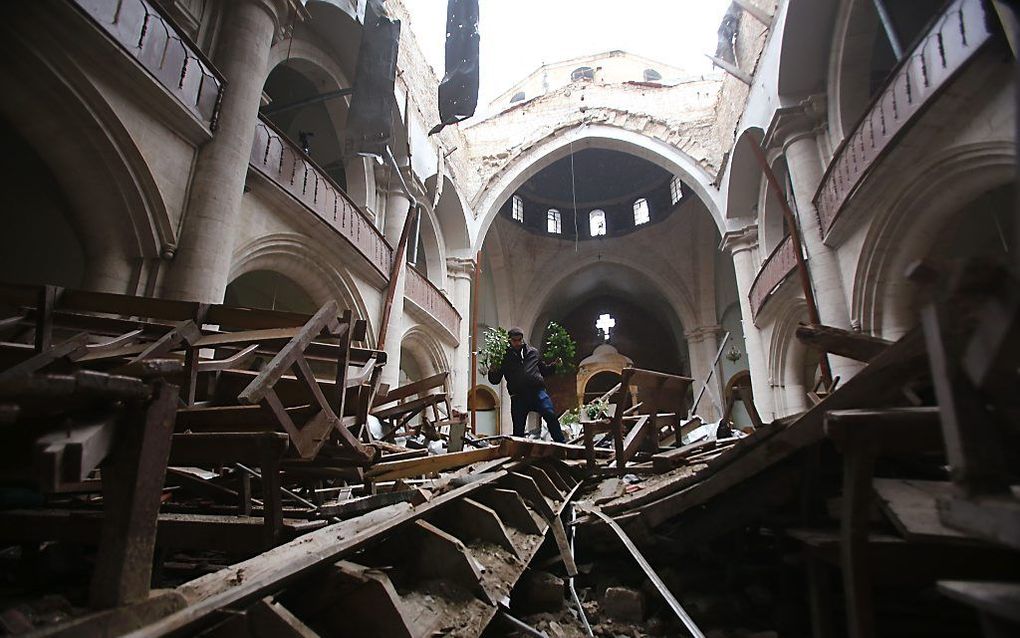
523	369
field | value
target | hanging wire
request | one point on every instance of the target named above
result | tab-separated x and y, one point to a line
573	190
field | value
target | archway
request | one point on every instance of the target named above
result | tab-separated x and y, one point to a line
269	290
38	244
565	141
485	403
599	384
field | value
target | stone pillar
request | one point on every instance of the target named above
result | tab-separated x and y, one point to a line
201	267
797	130
702	344
743	247
459	273
396	210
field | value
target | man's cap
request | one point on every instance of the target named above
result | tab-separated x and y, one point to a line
515	332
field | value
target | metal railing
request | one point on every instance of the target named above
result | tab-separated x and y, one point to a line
777	267
953	39
286	165
153	40
425	294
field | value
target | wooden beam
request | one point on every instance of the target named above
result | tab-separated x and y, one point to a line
752	10
732	69
511	508
852	345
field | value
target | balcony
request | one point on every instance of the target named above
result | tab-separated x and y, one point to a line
777	267
426	296
953	39
156	44
284	164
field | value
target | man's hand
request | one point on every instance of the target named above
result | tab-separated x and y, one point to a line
557	362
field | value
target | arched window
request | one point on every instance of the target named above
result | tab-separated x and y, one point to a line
651	75
676	191
517	209
518	97
582	73
597	222
553	224
641	214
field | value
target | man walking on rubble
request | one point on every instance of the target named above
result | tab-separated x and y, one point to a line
523	370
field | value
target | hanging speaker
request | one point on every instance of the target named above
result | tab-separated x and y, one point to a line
458	92
370	118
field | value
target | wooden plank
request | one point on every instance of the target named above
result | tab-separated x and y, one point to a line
852	345
417	387
369	605
67	348
528	489
996	598
511	508
132	483
910	431
269	619
637	435
265	573
858	469
431	464
545	484
468	519
288	355
226	448
444	557
660	586
911	505
877	385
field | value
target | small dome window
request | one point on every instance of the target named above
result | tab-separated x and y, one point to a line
518	97
553	224
676	191
517	209
641	213
582	73
597	222
651	75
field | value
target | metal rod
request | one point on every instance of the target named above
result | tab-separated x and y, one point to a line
715	362
315	99
889	27
526	628
671	600
474	343
802	268
570	580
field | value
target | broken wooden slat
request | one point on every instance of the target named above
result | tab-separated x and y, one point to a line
542	480
912	507
268	619
428	465
444	557
852	345
511	509
468	519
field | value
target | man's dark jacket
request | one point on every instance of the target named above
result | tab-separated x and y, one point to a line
523	374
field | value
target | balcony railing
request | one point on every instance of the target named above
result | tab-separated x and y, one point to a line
954	38
283	163
151	39
777	267
431	299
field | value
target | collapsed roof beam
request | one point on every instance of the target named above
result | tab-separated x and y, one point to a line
758	14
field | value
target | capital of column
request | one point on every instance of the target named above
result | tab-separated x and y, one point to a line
280	12
699	334
737	241
794	123
460	267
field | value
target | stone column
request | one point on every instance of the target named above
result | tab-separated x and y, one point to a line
743	247
796	129
702	343
396	212
201	266
459	272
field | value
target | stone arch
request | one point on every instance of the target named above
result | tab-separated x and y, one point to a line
744	183
771	220
904	231
298	258
434	245
805	45
114	202
679	299
572	138
426	349
789	359
452	215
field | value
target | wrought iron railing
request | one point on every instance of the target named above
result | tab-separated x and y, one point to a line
153	40
777	267
431	299
286	165
953	39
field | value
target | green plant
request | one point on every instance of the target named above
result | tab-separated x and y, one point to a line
496	343
596	409
559	345
571	416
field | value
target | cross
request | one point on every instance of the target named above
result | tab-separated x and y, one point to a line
604	324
